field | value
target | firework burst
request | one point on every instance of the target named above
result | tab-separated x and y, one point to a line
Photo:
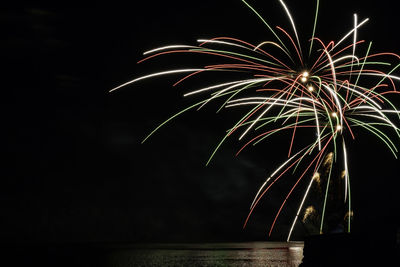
323	91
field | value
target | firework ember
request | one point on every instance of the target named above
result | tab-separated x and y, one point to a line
324	92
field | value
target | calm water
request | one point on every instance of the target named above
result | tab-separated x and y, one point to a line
217	254
330	252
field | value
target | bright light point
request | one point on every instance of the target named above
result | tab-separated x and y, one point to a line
304	76
339	127
310	88
334	114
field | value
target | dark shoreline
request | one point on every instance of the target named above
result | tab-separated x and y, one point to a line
343	249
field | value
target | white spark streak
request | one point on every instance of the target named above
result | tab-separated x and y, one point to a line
346	171
155	75
221	42
350	32
273	174
226	84
292	22
167	48
300	207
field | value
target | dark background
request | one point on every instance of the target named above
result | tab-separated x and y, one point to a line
74	168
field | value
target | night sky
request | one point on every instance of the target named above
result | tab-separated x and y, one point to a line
74	168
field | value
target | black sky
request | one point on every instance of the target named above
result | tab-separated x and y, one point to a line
74	168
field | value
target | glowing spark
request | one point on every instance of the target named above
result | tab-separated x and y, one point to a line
317	177
349	214
309	211
328	159
304	77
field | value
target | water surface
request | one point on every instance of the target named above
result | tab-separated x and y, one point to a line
280	254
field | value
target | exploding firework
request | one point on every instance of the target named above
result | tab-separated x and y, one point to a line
324	91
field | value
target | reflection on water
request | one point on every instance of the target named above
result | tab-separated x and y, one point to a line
219	254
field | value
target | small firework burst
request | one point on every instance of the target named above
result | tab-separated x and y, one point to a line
310	211
343	174
325	92
317	177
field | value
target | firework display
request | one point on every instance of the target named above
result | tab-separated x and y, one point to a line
323	91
